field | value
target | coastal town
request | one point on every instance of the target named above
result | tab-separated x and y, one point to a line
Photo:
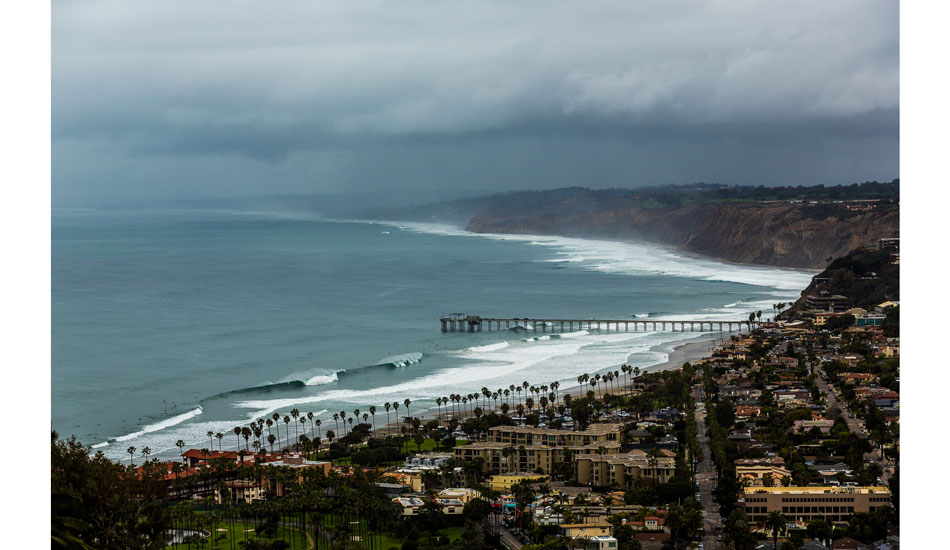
785	436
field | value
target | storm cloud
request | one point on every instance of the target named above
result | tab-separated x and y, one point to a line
172	99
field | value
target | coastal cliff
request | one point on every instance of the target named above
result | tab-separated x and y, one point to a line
800	227
775	234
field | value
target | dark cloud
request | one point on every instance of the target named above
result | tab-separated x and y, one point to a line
216	98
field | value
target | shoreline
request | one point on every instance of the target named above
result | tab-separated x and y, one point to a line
667	247
689	351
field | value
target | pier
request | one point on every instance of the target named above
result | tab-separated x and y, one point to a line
461	322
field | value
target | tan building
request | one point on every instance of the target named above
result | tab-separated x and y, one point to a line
410	506
451	506
811	503
753	471
523	458
622	470
587	530
239	490
505	482
524	435
463	494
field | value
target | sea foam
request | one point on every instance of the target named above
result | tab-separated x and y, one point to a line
633	258
167	423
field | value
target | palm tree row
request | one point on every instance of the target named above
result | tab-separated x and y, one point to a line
520	398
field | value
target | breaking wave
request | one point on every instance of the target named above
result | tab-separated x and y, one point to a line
633	258
322	379
167	423
401	360
489	347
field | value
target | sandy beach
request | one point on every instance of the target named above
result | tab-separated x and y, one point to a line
690	351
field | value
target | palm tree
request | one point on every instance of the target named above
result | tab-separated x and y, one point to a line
276	419
336	419
407	403
387	406
219	436
181	445
396	410
372	412
237	435
287	428
246	434
775	523
131	451
310	418
271	439
145	452
210	434
294	413
318	422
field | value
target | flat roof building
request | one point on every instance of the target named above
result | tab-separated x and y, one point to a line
622	470
811	503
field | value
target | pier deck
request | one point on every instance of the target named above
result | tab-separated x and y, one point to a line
459	322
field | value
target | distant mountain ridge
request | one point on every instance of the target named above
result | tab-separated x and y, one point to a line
785	227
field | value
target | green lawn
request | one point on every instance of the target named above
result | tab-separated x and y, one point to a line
430	445
236	532
388	540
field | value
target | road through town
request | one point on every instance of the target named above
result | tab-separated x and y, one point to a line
853	423
706	476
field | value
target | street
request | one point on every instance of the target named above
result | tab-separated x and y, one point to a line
508	539
853	423
706	476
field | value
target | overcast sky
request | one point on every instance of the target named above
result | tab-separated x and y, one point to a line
162	100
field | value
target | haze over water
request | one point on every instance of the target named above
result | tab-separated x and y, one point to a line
167	324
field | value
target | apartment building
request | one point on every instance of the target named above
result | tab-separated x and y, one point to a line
622	470
525	435
503	458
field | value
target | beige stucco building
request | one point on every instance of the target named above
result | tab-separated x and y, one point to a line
811	503
622	470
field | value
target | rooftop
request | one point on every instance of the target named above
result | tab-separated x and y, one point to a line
816	490
593	429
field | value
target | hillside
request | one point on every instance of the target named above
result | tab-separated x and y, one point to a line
784	227
865	277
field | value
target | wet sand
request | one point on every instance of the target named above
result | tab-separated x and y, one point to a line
694	350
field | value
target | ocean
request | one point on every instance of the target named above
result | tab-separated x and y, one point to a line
169	324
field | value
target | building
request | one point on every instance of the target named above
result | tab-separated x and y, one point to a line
410	505
504	483
451	506
858	377
754	471
826	302
527	436
824	426
601	542
463	494
239	490
622	470
425	461
869	320
587	530
194	457
811	503
499	458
